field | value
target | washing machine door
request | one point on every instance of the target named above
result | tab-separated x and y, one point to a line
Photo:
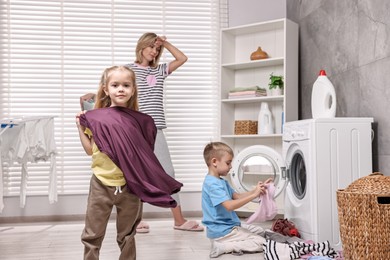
297	174
258	163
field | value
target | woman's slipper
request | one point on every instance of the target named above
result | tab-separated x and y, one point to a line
143	227
189	225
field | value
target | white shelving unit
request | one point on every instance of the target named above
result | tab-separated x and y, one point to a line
279	38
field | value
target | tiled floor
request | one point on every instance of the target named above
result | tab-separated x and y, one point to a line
61	241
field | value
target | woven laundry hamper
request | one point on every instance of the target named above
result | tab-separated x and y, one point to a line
364	217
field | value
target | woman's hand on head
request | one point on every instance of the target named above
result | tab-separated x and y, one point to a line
160	40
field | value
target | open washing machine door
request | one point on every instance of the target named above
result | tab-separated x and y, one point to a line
258	163
297	173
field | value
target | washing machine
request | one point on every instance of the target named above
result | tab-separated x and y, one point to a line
318	157
258	163
322	156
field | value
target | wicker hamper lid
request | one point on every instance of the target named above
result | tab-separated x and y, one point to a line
364	213
375	183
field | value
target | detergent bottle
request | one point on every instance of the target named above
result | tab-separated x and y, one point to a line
265	120
323	98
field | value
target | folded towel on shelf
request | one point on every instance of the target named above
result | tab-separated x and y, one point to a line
253	88
248	93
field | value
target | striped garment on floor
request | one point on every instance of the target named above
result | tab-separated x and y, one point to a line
281	251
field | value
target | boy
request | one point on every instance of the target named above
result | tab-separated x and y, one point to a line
219	200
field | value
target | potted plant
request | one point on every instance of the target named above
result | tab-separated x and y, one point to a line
276	85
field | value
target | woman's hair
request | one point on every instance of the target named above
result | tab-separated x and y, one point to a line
102	100
216	150
147	40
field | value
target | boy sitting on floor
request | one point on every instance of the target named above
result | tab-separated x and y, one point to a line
219	200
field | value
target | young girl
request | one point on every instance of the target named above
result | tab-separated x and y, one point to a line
126	171
150	78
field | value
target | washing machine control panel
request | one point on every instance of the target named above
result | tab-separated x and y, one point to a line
294	132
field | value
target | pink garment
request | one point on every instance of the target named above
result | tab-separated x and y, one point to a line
267	209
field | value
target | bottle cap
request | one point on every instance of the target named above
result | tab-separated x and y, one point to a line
322	73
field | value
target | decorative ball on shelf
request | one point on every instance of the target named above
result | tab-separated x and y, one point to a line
259	54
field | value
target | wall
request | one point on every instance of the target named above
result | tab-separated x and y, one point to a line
243	12
349	39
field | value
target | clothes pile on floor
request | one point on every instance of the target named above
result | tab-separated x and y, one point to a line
285	243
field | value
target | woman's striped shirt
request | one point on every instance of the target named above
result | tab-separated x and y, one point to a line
150	83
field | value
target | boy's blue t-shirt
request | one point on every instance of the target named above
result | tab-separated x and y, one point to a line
216	218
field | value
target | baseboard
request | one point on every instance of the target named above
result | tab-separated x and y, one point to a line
81	217
37	219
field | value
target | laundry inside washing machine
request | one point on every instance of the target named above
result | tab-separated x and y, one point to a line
257	163
253	164
255	168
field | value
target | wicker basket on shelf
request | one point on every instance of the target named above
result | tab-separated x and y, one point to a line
245	127
364	217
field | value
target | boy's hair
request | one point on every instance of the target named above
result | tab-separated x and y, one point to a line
216	150
147	40
102	100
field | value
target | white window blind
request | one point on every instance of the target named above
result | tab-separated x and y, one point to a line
52	52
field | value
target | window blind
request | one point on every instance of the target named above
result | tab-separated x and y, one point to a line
52	52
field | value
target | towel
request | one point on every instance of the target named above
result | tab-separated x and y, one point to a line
267	209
